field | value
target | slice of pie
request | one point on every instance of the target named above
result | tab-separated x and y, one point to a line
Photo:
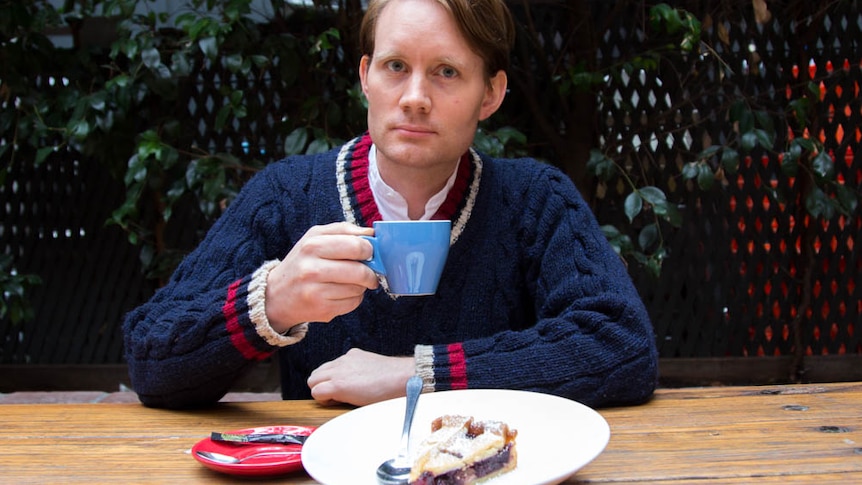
462	451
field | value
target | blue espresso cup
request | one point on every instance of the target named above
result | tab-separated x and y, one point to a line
410	255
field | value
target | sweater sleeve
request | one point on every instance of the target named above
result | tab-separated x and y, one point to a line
592	340
203	329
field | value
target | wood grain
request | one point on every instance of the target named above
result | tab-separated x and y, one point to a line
734	435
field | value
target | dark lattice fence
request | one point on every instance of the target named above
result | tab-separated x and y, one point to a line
54	224
738	269
735	279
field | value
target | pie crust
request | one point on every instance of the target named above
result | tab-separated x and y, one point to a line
463	451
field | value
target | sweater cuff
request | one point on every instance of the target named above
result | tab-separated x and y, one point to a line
257	311
424	356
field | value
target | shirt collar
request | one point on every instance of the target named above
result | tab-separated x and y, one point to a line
392	205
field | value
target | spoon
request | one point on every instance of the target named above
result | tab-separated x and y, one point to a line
397	470
232	460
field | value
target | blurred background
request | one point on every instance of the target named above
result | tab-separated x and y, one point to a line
718	143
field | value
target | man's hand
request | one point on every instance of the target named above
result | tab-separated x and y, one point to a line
321	277
359	378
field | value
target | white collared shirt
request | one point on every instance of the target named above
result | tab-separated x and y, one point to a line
392	205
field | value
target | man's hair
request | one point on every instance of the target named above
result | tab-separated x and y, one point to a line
486	24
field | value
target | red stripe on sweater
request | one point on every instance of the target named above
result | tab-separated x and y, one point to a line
457	366
363	198
458	191
361	187
237	337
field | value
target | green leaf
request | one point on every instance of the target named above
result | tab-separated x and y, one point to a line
764	138
600	166
690	170
80	129
818	204
847	199
794	153
730	160
295	142
689	41
799	107
97	101
648	238
169	157
667	16
151	58
149	145
180	64
185	19
673	215
209	47
705	177
620	243
746	121
42	154
212	186
121	81
233	62
177	190
192	173
128	47
633	205
200	26
708	152
823	166
654	263
789	164
487	143
259	61
748	141
221	117
610	231
653	195
507	134
764	120
136	172
318	145
805	143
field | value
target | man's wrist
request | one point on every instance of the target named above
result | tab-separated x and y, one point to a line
257	311
423	356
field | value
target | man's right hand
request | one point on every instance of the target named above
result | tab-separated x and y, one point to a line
321	277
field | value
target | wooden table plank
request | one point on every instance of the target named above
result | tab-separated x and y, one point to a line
734	435
820	479
123	441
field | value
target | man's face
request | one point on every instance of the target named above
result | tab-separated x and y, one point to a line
426	88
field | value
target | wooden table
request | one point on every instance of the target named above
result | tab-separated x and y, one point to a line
773	434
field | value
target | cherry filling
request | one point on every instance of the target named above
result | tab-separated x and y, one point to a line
475	472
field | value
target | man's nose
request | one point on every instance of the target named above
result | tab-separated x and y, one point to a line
416	95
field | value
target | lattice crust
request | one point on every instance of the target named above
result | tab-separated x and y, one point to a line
461	450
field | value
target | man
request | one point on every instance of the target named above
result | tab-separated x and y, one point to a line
532	296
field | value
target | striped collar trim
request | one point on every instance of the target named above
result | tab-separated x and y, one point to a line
357	200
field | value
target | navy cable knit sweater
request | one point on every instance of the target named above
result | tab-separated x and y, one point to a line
532	297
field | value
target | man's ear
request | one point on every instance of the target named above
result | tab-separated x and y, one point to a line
494	94
364	64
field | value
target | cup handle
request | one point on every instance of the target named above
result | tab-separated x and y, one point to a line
374	263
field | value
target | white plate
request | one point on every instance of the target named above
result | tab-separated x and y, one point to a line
556	436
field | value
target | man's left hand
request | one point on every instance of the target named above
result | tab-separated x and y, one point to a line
360	377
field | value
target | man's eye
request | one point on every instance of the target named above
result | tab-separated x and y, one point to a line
395	66
448	72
